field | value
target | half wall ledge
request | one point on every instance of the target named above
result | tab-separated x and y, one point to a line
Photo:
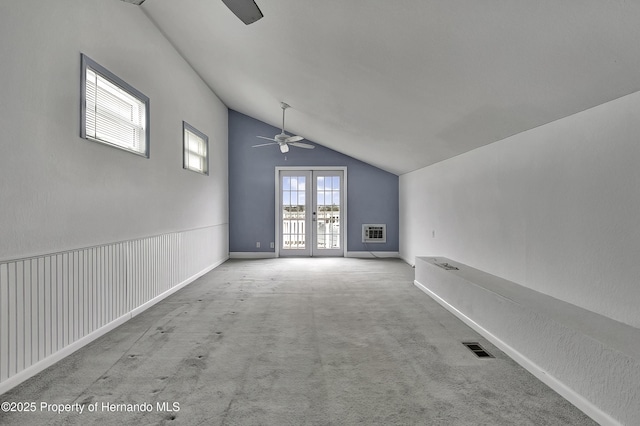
591	360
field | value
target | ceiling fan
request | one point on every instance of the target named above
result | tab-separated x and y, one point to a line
247	10
283	139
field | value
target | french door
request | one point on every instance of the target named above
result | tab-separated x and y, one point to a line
310	212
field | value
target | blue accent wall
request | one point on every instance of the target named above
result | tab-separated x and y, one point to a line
372	193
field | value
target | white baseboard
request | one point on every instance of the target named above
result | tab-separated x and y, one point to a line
408	261
569	394
252	255
373	254
47	362
173	289
272	255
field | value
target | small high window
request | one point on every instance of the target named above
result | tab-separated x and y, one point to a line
196	149
113	112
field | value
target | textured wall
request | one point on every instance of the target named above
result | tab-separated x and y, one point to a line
372	193
61	192
554	209
587	358
80	218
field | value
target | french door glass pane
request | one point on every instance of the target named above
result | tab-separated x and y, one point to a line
328	212
293	212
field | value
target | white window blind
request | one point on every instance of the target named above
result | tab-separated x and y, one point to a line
195	150
114	113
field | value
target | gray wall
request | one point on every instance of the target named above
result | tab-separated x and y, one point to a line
78	216
372	193
554	209
60	192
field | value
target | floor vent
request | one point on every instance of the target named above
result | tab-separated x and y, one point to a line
477	349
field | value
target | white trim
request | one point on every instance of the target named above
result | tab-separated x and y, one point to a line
252	255
47	362
308	248
315	252
173	289
312	168
566	392
277	215
372	254
408	261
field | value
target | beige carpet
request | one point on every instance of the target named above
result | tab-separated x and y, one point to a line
292	342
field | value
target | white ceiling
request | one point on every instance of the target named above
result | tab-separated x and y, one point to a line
406	83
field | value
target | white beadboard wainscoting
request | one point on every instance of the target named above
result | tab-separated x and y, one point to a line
53	304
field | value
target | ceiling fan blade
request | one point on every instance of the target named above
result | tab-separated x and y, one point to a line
263	137
247	10
264	144
302	145
138	2
293	139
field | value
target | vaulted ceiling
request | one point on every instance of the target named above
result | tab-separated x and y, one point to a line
404	84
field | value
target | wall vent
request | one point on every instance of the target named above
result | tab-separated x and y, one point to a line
374	233
478	350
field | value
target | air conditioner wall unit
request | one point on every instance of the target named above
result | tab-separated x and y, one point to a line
374	233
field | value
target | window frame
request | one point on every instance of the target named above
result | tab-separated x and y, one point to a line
88	63
188	127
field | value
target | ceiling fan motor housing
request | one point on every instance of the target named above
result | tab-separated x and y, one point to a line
283	140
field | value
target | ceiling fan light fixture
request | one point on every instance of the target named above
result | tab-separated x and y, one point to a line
283	140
